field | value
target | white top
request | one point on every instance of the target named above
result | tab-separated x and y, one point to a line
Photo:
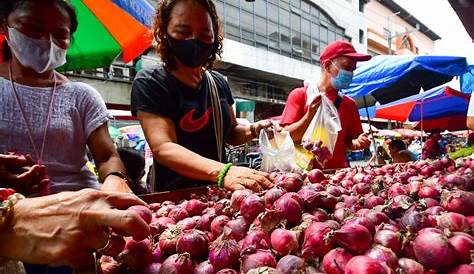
470	110
78	110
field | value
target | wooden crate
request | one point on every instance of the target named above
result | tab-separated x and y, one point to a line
174	196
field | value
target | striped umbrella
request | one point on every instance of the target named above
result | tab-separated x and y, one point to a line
105	31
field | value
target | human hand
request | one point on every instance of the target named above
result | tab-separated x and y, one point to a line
115	184
66	228
314	106
362	142
21	174
242	177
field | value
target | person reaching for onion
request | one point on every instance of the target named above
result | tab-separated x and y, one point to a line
185	108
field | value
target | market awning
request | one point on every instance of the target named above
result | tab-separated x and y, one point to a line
465	11
388	78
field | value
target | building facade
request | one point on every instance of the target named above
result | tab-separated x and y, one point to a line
392	30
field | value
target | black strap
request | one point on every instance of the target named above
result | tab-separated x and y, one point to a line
338	101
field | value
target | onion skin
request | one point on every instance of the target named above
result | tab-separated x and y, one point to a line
251	206
453	221
177	264
458	201
290	209
354	237
284	241
204	268
389	239
224	253
383	255
193	242
463	243
258	259
462	269
409	266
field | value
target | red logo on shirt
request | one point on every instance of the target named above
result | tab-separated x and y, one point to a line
189	124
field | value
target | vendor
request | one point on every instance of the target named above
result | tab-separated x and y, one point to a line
43	113
338	61
182	117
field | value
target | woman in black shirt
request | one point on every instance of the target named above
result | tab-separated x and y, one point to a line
174	103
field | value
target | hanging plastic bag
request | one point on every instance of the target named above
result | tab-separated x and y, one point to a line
278	151
319	139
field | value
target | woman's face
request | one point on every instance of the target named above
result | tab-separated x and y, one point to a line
190	20
41	20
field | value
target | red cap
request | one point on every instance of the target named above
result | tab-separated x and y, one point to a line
341	48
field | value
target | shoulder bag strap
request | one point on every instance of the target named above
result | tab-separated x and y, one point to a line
217	114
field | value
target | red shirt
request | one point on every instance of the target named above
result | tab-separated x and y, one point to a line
296	108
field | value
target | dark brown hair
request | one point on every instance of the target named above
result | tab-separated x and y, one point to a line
162	20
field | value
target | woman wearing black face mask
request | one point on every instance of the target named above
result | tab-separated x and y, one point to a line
43	113
185	109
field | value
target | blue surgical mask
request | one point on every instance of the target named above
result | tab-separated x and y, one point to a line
343	79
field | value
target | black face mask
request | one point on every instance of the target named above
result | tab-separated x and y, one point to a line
192	52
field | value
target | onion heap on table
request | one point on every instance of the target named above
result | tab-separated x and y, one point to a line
399	218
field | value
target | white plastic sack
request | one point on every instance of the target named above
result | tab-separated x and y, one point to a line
278	151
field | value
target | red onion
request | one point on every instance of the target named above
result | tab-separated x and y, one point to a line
434	210
341	214
327	201
462	269
204	223
157	255
365	265
188	223
295	197
391	227
414	220
142	211
257	240
193	242
413	187
409	266
362	221
454	181
397	189
373	201
258	259
347	184
315	176
238	228
428	192
224	253
115	246
433	250
227	271
429	202
463	244
272	195
217	225
310	198
204	268
177	263
164	210
136	255
389	239
335	261
361	188
332	224
284	241
453	221
237	197
159	225
383	255
109	266
290	209
318	241
222	207
195	207
251	206
291	182
458	201
320	214
354	237
178	213
398	205
168	239
153	268
377	217
291	264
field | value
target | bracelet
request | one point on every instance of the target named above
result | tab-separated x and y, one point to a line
6	207
118	174
222	174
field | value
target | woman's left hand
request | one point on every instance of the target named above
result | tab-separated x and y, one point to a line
264	124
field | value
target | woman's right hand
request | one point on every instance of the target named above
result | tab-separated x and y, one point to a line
242	177
66	228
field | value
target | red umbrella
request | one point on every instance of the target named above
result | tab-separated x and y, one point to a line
451	123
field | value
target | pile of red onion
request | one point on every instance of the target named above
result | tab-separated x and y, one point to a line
404	218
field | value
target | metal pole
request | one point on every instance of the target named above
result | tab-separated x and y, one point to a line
371	132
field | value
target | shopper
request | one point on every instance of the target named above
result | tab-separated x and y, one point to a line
399	152
41	111
187	123
338	61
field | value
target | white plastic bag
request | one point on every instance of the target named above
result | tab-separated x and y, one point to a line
278	151
322	132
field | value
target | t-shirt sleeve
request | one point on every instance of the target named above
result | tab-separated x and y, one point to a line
470	110
92	109
224	85
151	95
294	108
355	126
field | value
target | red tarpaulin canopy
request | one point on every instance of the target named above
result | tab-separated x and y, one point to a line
2	45
451	123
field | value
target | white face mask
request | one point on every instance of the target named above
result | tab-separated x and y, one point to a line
39	55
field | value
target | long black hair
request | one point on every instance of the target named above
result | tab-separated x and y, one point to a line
9	6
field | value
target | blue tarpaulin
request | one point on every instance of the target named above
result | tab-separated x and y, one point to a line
389	78
436	103
139	9
467	80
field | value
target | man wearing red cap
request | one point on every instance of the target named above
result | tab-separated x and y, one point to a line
338	61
